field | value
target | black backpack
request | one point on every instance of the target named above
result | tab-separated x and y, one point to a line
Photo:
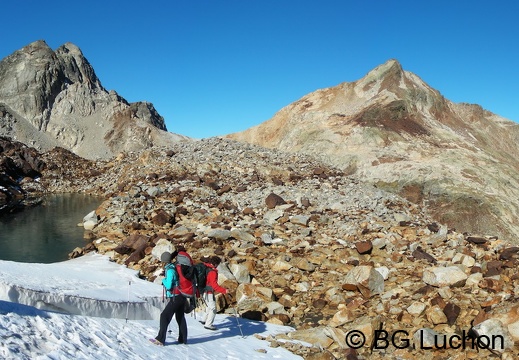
197	274
200	281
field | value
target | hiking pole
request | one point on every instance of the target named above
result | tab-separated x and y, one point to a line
239	325
128	303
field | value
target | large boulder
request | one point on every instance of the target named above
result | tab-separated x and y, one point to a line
366	279
444	276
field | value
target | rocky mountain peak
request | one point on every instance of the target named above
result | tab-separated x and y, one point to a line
389	82
390	69
71	48
393	130
36	49
54	98
30	81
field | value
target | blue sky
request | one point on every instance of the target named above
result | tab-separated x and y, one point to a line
212	67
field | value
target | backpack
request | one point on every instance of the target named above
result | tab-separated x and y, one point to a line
186	288
197	274
200	272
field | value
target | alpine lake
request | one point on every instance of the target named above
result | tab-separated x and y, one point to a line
48	232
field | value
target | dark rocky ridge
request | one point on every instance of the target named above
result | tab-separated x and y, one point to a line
20	168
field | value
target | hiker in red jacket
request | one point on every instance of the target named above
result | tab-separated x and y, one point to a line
211	288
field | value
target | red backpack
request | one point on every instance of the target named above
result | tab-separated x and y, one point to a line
183	266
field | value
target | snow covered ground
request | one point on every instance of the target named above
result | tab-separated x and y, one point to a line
91	308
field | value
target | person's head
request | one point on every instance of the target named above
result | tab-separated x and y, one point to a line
178	248
166	257
215	260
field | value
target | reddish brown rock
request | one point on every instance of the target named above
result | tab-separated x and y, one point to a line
350	354
319	303
480	317
274	200
494	268
132	243
248	211
478	240
224	190
305	203
509	253
349	287
283	318
162	218
364	247
420	254
137	255
451	311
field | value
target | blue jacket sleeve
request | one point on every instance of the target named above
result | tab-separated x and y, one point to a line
168	280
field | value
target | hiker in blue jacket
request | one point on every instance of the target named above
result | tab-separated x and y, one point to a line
176	302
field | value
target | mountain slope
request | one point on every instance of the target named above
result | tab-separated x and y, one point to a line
54	98
392	129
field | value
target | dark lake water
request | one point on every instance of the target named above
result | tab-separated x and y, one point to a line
46	233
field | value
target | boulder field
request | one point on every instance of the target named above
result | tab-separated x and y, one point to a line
360	273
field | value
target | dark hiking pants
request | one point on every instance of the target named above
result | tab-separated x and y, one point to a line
175	307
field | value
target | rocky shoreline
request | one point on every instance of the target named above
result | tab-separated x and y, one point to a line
304	245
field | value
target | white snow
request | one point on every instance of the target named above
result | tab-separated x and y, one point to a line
91	308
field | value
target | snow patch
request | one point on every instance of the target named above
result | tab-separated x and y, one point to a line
90	285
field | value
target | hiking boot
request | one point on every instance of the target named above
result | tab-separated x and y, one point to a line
156	342
180	341
210	327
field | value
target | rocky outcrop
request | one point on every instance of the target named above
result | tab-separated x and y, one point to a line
394	131
54	98
20	171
